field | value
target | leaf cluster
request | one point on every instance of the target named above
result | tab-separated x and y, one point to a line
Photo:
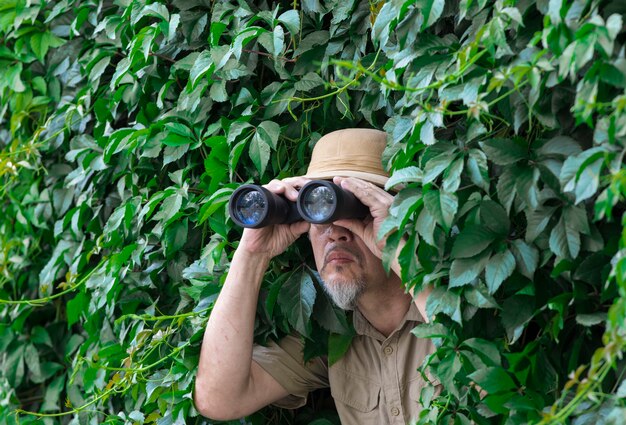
125	126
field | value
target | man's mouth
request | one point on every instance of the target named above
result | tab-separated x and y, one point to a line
337	256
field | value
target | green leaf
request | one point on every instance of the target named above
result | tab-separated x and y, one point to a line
431	330
504	151
259	151
537	221
463	271
296	300
477	169
494	218
526	258
269	132
435	166
405	175
516	313
506	188
493	380
526	185
201	66
564	240
308	82
331	317
487	350
338	345
472	240
76	307
499	267
442	206
588	180
479	297
431	10
444	301
291	20
425	226
562	146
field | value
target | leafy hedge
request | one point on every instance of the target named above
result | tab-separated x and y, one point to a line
124	127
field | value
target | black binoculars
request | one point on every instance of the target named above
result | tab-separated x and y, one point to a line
319	202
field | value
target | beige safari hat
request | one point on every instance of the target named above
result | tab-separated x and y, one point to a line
352	152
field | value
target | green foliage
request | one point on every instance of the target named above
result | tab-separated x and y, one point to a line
124	127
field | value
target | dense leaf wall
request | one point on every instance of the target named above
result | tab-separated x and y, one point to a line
125	125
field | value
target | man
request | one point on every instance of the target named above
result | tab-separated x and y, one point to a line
376	382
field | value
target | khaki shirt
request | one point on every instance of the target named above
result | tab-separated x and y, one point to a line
375	382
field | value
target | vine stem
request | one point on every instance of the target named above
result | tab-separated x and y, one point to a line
38	302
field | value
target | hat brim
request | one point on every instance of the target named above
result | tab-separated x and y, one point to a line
377	179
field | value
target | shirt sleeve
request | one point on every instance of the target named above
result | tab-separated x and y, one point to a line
285	362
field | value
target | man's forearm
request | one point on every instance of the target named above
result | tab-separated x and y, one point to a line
226	355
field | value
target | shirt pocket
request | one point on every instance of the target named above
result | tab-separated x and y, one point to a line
355	392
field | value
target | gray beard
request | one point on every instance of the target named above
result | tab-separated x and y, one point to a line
344	294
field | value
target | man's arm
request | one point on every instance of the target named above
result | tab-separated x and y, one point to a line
229	384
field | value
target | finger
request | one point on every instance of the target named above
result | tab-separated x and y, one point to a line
280	187
368	193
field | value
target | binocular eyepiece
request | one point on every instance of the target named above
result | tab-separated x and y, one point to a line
319	202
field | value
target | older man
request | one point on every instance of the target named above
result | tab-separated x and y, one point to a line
376	381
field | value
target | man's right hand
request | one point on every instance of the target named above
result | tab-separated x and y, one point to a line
271	241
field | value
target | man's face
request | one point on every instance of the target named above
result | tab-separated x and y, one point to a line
345	264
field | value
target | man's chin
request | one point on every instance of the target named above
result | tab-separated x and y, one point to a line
344	292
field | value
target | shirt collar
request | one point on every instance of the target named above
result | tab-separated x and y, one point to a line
363	327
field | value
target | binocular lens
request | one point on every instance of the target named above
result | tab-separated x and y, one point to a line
250	207
319	203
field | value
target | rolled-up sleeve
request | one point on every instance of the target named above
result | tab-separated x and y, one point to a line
285	362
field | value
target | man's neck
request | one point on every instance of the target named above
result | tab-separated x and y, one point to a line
385	306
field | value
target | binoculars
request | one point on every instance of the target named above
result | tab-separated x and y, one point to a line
318	202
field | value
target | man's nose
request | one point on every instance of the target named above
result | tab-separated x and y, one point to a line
338	234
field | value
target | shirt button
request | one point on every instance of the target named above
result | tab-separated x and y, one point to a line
388	350
395	411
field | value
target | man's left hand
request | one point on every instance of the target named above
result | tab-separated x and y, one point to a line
378	201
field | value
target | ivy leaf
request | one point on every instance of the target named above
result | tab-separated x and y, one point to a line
504	151
499	267
425	226
564	240
259	152
405	175
516	313
562	146
308	82
477	169
526	185
472	240
269	132
537	221
526	258
291	20
443	301
506	189
435	166
296	300
463	271
431	10
493	217
479	297
493	380
338	345
442	206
